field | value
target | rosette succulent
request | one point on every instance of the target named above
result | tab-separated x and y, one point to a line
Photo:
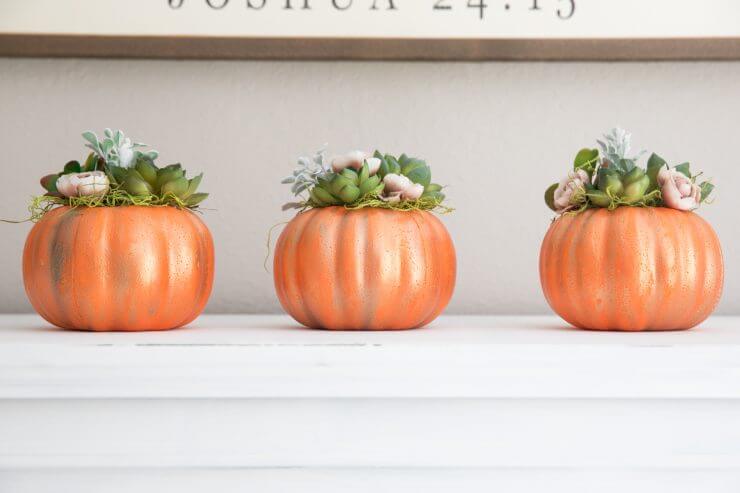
611	177
357	180
117	172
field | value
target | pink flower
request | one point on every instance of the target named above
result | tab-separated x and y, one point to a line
399	187
565	197
355	160
678	191
352	159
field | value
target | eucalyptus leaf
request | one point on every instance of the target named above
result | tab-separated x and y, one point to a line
91	138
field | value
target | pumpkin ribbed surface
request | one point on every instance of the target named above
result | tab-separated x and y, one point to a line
632	269
119	268
366	269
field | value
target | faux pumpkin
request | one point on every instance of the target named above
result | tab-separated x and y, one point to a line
119	268
632	268
370	268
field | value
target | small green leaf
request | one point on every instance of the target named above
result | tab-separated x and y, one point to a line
369	185
635	174
172	166
598	198
168	174
417	171
351	175
654	164
193	184
586	160
318	195
706	189
608	181
49	182
177	187
135	185
635	191
550	196
384	169
349	194
338	183
393	165
147	169
364	173
117	173
435	195
90	162
433	187
72	167
683	168
196	199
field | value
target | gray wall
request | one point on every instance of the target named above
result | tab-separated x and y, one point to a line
497	133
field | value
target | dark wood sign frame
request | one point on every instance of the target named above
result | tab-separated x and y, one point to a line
193	47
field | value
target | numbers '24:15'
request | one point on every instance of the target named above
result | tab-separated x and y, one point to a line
565	9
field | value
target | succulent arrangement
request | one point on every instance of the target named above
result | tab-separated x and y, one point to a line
358	180
609	177
118	172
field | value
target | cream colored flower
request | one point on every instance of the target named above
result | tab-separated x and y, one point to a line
83	184
413	192
568	189
399	187
352	160
677	190
373	165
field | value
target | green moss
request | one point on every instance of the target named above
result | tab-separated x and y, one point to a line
114	198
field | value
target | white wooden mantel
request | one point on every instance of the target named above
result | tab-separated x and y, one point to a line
256	403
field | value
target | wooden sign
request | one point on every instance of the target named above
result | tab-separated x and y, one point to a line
373	29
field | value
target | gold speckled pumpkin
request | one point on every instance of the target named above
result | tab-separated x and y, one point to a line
366	269
632	269
119	268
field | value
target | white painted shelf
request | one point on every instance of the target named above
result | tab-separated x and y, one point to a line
476	401
270	356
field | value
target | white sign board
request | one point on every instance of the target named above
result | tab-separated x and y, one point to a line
377	19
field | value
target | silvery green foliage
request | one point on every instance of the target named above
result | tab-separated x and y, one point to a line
308	171
616	145
117	149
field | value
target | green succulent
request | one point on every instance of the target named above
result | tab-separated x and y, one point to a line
145	179
415	170
346	187
615	179
361	187
133	175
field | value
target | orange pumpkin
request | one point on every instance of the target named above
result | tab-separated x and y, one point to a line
632	269
366	269
119	268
